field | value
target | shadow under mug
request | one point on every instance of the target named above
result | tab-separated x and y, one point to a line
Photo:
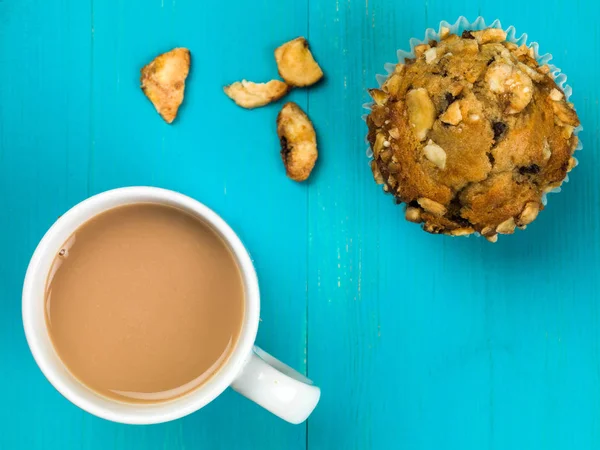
249	370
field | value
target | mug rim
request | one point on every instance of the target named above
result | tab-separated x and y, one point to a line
94	403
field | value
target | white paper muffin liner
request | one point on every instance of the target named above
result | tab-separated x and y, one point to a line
479	24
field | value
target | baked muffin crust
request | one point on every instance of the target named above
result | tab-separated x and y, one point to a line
470	134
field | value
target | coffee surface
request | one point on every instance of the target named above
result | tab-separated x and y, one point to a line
144	303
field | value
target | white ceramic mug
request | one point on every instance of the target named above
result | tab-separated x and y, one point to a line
250	371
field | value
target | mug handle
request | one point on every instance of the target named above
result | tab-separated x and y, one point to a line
277	387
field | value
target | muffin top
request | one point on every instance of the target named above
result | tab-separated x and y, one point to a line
471	133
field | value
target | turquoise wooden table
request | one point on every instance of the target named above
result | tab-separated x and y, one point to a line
418	341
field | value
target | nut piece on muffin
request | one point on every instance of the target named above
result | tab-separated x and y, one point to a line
471	134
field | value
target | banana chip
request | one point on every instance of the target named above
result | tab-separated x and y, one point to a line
296	64
298	141
163	81
253	95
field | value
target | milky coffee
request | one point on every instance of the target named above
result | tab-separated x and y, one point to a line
144	303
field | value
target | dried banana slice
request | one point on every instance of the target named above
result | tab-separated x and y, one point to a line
298	141
163	81
296	64
254	95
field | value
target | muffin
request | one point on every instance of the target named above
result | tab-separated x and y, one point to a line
471	134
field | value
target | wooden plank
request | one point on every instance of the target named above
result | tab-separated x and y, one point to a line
44	140
424	342
419	342
74	122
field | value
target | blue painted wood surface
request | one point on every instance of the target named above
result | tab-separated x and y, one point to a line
418	341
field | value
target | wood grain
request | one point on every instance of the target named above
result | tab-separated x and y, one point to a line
418	341
447	343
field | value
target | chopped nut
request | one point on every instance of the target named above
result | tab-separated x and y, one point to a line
507	227
394	133
488	231
421	112
393	167
503	53
455	89
253	95
451	38
413	214
421	49
378	145
529	214
444	32
431	55
567	131
163	81
564	113
572	164
466	46
551	187
521	93
435	154
511	46
433	228
544	70
492	238
489	35
431	206
296	64
399	69
519	50
385	155
503	78
378	115
497	76
452	116
376	173
379	96
462	231
546	150
392	84
533	74
298	141
556	95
